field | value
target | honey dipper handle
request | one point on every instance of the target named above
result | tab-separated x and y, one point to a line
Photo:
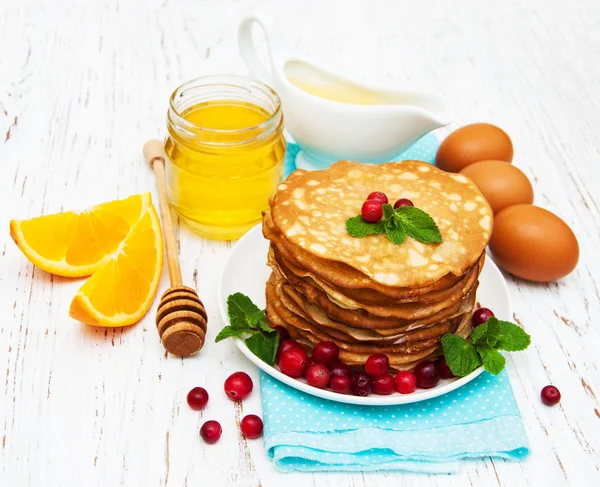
155	155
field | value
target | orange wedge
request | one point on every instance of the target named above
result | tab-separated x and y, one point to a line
77	244
121	291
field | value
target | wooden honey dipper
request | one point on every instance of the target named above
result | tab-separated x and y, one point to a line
181	318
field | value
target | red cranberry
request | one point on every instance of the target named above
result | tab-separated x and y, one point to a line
443	369
550	395
211	432
293	362
480	316
284	345
338	367
283	333
340	384
361	384
427	374
403	202
384	384
251	426
197	398
325	353
378	196
309	362
377	364
371	211
406	382
238	386
317	375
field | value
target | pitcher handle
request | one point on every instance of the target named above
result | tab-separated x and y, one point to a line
248	50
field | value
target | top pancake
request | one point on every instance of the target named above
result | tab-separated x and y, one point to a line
310	210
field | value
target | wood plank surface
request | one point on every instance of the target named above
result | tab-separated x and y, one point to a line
84	83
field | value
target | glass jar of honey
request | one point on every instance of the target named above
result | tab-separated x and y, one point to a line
225	153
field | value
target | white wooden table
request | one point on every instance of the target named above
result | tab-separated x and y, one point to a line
84	84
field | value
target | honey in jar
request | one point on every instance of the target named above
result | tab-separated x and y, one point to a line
225	151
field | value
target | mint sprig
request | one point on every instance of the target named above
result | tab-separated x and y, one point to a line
397	225
464	356
246	318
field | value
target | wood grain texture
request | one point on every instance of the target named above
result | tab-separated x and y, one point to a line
84	83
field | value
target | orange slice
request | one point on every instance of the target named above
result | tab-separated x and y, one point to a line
121	291
77	244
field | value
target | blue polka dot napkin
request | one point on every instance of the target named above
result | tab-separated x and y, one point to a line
424	149
306	433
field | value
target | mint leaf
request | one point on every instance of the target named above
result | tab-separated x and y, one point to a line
461	356
229	331
512	338
357	227
264	346
265	327
492	359
242	311
418	224
255	318
388	211
395	233
487	333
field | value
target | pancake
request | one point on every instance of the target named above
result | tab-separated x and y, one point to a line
408	311
361	318
310	209
342	275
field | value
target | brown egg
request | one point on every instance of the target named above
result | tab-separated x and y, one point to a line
533	243
501	183
473	143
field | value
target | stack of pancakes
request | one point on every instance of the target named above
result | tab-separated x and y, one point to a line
367	294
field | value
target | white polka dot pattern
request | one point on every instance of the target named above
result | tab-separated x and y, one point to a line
307	433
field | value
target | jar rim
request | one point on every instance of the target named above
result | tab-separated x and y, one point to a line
228	80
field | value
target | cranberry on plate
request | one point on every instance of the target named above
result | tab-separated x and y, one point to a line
325	353
406	382
362	384
293	361
377	364
384	384
341	384
338	367
444	369
403	202
317	375
427	374
378	196
480	316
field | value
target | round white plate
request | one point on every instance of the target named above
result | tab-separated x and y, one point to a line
246	272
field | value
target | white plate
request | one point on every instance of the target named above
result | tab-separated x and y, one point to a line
246	272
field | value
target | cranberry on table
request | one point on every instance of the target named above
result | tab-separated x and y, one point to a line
211	432
284	345
325	353
377	364
283	333
550	395
197	398
317	375
251	426
238	386
293	362
406	382
480	316
403	202
371	211
427	374
378	196
443	369
340	384
338	367
362	384
384	384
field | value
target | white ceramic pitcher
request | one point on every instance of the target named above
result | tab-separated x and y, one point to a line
327	130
